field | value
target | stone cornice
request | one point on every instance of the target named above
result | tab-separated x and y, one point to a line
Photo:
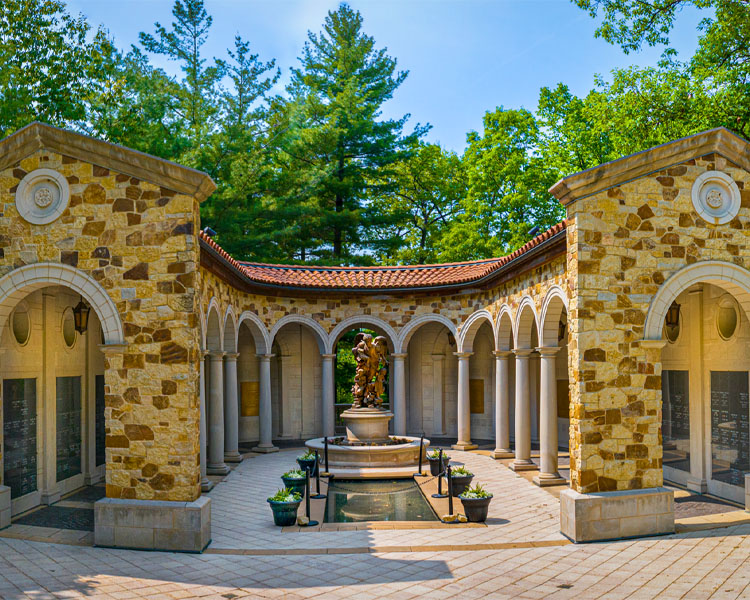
622	170
37	136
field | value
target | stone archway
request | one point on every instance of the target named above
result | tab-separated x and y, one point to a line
24	280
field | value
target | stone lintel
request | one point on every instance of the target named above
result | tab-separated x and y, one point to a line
4	506
153	524
616	515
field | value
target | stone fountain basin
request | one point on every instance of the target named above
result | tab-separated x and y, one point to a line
397	460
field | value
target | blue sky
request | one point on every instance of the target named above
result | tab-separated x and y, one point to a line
464	56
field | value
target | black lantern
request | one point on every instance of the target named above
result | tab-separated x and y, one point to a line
673	315
561	327
81	316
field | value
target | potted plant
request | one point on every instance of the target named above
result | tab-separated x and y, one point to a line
461	478
284	505
476	501
433	456
294	480
307	462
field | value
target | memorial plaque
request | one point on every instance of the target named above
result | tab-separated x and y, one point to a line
730	427
100	430
249	398
19	436
476	396
68	435
675	417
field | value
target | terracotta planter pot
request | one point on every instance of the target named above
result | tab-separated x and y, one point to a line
284	513
294	484
460	483
308	464
435	468
476	509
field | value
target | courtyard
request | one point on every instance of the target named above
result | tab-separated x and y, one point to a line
519	553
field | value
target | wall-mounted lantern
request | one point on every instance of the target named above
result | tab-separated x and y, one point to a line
81	316
673	315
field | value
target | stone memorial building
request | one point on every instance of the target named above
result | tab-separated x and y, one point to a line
135	351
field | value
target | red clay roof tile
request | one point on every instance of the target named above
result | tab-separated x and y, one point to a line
375	278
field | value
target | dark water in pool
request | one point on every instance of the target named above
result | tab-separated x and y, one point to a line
355	500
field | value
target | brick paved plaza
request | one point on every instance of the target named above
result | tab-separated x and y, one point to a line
519	554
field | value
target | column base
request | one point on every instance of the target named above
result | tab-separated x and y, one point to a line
616	515
153	524
221	469
464	446
523	465
232	457
50	498
502	453
206	485
545	479
4	506
697	485
265	449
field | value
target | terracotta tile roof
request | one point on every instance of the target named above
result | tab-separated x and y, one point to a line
375	278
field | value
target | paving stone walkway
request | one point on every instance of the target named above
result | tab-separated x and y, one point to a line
241	518
520	554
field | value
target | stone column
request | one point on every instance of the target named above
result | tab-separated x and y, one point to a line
502	406
464	407
399	394
522	461
231	410
265	423
438	397
216	465
548	474
329	395
206	484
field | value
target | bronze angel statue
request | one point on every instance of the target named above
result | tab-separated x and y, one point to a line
371	356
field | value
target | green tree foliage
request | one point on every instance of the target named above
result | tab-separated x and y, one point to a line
46	62
338	139
424	197
507	183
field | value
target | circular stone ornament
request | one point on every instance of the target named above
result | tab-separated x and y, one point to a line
42	196
716	197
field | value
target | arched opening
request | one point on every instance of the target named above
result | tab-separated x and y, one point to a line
526	425
298	345
431	369
53	383
554	334
342	341
699	319
251	345
214	390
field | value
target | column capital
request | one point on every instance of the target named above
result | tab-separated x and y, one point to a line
502	353
653	344
548	350
231	356
400	355
328	356
461	355
215	354
265	357
523	352
112	349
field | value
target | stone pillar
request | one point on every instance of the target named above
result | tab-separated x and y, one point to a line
231	410
216	465
502	406
697	480
265	423
4	489
548	474
206	484
522	461
399	394
329	395
464	407
438	397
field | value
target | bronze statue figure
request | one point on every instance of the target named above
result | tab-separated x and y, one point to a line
371	356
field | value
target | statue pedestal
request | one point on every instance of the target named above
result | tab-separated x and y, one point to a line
366	425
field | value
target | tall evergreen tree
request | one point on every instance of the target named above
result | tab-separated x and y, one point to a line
338	136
